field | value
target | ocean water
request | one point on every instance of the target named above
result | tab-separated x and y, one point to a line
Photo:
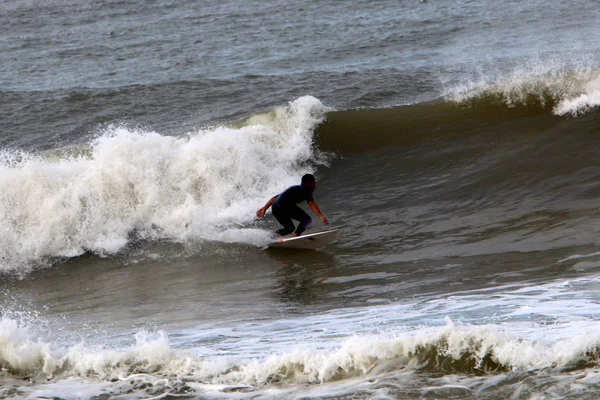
454	143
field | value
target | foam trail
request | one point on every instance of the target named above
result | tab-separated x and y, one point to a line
158	187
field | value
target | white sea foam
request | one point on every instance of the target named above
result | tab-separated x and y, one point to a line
21	354
573	86
152	359
525	328
134	181
551	326
587	97
18	352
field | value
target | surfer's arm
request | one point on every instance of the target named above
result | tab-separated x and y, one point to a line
261	213
313	206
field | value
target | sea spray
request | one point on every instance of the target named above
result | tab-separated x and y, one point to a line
566	87
21	355
141	183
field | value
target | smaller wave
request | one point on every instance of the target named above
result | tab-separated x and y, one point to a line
152	359
566	90
449	350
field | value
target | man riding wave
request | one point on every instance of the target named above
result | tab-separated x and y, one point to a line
285	209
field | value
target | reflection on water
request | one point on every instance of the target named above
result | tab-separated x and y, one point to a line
300	275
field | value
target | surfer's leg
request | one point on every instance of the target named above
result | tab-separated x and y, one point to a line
284	219
299	215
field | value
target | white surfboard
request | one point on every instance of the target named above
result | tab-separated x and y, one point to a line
308	241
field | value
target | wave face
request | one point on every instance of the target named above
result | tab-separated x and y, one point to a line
130	183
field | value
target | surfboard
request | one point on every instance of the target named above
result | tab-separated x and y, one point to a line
309	241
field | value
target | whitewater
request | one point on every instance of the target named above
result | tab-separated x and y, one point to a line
131	184
454	145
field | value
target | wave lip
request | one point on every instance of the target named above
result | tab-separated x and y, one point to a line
565	89
135	182
588	99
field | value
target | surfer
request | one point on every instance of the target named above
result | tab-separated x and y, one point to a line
285	207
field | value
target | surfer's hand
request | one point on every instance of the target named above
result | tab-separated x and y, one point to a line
325	222
260	213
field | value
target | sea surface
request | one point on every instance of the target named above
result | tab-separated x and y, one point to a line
455	143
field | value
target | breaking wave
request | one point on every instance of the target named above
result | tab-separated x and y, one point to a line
565	89
135	183
151	361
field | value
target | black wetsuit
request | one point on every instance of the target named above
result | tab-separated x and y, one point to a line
285	209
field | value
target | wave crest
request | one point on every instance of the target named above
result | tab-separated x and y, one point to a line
565	90
131	181
450	349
